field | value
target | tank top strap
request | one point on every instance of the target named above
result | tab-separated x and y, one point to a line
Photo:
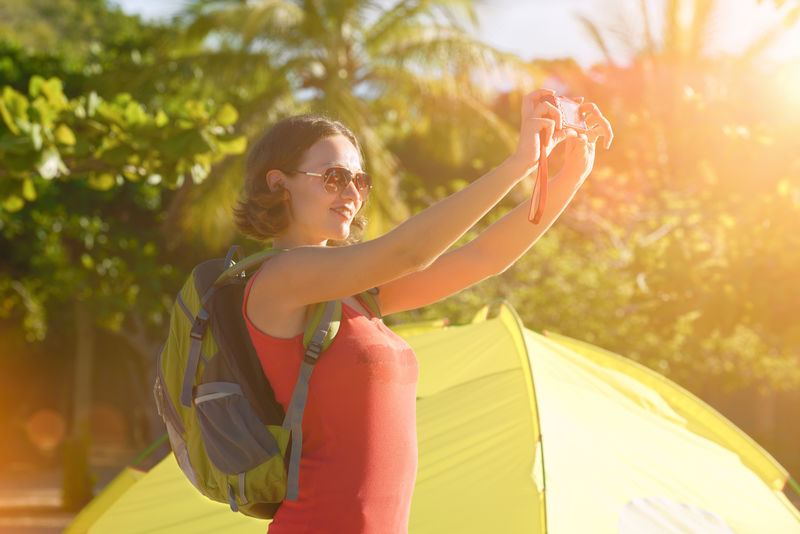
248	286
367	306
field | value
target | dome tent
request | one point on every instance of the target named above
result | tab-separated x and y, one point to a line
522	432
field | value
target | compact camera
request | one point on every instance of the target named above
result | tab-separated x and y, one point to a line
571	117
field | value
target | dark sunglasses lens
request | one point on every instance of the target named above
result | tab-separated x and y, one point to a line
363	181
336	179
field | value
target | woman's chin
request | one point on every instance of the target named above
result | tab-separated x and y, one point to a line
344	232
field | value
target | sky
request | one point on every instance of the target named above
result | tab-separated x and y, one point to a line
550	29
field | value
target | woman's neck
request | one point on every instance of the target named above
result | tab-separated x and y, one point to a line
286	242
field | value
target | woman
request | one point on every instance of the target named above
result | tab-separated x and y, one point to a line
304	186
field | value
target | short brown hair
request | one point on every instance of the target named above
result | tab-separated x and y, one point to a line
263	214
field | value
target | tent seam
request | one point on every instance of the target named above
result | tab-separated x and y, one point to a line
539	438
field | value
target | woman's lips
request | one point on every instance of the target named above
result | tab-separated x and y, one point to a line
343	212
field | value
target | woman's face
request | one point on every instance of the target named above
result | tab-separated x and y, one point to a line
316	214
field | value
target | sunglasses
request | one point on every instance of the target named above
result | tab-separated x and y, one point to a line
336	179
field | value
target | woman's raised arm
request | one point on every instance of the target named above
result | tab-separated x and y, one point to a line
309	274
505	241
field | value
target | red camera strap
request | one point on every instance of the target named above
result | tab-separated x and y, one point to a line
537	207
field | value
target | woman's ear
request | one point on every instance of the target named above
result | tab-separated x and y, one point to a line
275	179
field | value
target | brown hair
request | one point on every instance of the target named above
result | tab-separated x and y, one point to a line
263	214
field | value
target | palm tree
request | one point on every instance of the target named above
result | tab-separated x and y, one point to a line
376	68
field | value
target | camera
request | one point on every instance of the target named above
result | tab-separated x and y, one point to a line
571	117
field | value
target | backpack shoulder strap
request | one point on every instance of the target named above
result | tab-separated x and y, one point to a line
322	329
250	262
369	299
317	322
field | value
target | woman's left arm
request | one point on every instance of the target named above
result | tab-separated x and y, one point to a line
500	245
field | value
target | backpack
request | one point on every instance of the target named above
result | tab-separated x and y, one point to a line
229	434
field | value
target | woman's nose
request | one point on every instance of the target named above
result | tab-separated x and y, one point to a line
351	191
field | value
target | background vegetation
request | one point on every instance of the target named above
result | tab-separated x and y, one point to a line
122	143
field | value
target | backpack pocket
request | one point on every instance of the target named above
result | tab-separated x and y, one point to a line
234	437
175	428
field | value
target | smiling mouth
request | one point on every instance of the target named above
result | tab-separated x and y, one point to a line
346	214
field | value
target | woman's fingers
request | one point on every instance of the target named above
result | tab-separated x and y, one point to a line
533	98
548	110
603	129
537	125
531	141
598	124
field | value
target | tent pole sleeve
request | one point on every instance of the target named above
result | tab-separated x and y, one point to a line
795	486
149	449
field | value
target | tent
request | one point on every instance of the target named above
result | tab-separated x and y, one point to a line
524	432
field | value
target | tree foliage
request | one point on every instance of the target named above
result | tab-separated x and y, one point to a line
83	190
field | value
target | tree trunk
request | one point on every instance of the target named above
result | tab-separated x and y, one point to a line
78	481
137	337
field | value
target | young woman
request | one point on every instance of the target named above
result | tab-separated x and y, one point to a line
305	186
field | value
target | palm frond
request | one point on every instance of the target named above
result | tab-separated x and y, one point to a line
594	32
435	48
700	26
674	36
763	42
650	44
267	19
393	20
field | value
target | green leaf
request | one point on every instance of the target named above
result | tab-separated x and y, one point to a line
44	111
16	108
87	261
6	115
35	85
196	109
101	182
13	203
53	90
161	118
227	115
187	143
135	114
36	136
28	191
64	135
237	145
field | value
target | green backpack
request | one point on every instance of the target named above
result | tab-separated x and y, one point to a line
230	436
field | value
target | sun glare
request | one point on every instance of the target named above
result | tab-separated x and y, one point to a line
789	82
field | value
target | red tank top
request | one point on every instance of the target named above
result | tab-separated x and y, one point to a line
359	459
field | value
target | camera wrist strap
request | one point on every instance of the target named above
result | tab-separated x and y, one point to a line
537	205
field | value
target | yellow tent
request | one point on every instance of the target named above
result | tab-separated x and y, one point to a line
520	432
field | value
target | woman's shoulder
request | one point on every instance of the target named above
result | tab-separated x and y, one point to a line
269	311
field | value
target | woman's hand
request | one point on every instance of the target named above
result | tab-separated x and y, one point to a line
597	123
580	148
537	116
578	155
